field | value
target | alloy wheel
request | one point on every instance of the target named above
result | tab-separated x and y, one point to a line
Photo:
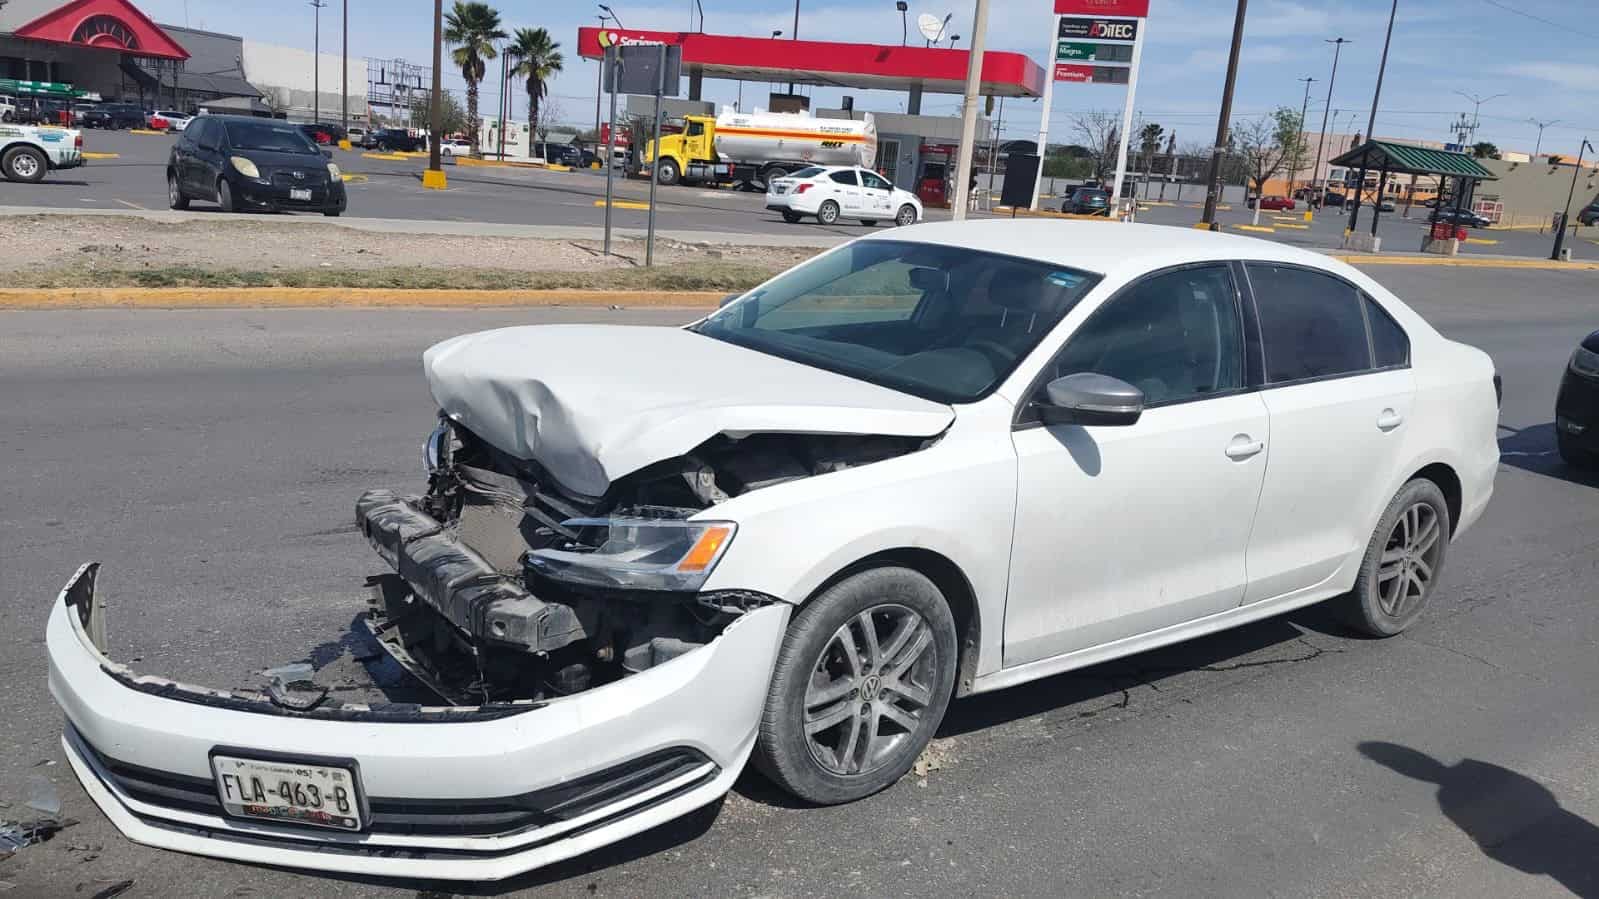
869	689
1409	559
25	166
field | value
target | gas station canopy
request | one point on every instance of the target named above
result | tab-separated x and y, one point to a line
829	63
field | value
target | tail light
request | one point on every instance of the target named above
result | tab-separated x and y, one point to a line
78	142
802	188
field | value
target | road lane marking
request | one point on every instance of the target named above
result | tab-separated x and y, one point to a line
129	205
1293	226
623	204
88	155
1257	228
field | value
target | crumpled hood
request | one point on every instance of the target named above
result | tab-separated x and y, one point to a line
592	403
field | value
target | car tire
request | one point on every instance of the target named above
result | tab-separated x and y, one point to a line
827	213
225	196
24	164
175	197
667	173
332	213
1573	455
905	216
1403	560
383	146
907	666
791	217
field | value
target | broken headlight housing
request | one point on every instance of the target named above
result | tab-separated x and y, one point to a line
436	450
636	553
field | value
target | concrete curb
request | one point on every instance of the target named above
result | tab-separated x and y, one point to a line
344	297
1357	259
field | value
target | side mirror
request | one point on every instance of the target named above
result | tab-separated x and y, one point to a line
1086	398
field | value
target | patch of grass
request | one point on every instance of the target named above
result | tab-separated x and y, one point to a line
696	276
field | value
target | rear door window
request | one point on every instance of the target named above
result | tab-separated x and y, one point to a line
846	177
1311	323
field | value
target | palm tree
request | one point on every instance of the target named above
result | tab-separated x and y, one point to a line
538	59
472	28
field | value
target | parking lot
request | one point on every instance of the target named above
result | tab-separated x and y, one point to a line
391	189
211	459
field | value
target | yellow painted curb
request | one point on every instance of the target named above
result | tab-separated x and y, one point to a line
345	144
1482	240
1293	226
435	179
391	157
556	167
500	163
144	131
288	297
352	179
102	155
1257	228
623	204
1051	214
1470	262
411	154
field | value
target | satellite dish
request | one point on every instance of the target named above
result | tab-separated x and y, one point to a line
930	26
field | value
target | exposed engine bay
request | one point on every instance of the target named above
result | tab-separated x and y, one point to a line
508	588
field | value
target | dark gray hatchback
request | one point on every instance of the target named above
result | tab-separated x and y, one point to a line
245	163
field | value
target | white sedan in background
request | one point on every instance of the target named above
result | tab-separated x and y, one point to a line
842	192
455	147
930	463
176	121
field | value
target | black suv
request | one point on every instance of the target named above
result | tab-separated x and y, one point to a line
1087	201
243	163
1577	406
1589	214
114	116
386	139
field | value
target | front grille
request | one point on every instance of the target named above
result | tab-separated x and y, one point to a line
311	178
434	817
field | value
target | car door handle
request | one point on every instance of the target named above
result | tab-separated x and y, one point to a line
1242	447
1389	419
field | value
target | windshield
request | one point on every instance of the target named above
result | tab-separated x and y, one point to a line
944	323
269	137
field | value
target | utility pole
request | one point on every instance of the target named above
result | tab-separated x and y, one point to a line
1299	143
1541	126
1476	105
1213	174
434	176
316	62
599	91
1315	170
1565	217
344	75
1371	127
974	83
794	36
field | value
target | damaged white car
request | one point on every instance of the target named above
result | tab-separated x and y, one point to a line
941	461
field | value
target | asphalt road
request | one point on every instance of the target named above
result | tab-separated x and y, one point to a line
391	189
211	460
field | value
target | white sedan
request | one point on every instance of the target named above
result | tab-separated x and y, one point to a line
455	147
176	121
933	463
837	192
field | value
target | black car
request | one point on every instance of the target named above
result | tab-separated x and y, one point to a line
1087	201
323	133
114	116
1577	406
1461	217
1589	214
248	163
386	139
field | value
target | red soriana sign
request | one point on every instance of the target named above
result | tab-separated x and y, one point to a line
1081	74
1137	9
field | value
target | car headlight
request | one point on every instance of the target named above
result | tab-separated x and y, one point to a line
1585	362
244	167
637	553
439	447
333	171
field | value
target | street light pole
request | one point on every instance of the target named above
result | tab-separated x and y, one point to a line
1476	105
902	6
1213	173
316	62
1541	126
1315	170
793	36
1565	217
599	91
344	74
1299	143
434	176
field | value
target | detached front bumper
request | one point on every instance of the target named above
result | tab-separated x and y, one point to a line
473	793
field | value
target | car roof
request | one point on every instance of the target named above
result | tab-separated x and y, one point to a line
1108	248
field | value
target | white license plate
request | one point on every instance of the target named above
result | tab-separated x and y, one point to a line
300	193
289	791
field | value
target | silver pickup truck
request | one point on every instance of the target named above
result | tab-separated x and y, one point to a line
29	152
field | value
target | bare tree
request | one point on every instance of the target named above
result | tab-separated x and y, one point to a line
1266	144
1097	131
549	113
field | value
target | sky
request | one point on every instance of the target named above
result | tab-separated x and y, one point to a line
1537	53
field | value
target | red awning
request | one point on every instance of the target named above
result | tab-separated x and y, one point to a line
106	24
829	63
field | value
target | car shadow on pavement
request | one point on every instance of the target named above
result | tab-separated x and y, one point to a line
1533	449
1512	818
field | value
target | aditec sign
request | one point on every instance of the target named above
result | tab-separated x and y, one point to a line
1114	31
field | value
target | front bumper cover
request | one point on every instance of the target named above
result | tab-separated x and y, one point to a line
640	752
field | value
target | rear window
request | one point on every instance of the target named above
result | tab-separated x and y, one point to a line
1311	323
811	172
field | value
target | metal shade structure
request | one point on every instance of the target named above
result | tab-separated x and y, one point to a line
829	63
1403	159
